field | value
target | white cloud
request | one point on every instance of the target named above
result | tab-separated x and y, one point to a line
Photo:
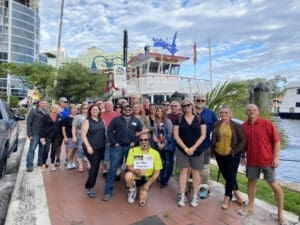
248	37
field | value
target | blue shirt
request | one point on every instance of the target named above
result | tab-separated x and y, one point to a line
209	118
65	113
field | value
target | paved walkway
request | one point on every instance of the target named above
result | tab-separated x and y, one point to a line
59	198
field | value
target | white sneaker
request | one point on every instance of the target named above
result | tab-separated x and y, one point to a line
69	166
73	165
181	201
131	195
119	171
195	201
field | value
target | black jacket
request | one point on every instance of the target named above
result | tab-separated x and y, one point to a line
52	129
121	133
34	122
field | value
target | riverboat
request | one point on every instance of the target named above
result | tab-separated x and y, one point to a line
156	75
290	106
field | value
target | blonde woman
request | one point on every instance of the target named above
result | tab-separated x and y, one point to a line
189	133
228	143
51	135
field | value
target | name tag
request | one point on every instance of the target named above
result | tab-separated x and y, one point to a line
143	162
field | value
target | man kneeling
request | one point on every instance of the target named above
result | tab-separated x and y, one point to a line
143	166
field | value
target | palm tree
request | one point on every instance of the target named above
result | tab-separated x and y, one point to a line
233	94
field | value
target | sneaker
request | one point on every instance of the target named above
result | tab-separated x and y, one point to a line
91	193
53	168
106	197
195	201
57	162
181	201
69	166
203	191
73	165
131	195
29	169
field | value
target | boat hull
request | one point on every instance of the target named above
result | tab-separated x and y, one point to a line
287	115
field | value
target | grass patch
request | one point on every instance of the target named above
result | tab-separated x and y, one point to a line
264	191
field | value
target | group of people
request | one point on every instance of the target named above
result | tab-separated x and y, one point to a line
147	138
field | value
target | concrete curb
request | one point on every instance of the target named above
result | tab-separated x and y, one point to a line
28	203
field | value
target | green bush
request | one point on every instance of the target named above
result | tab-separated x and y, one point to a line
13	101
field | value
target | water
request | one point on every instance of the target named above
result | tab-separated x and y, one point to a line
290	157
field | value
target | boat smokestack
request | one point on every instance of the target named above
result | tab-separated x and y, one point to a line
147	49
125	48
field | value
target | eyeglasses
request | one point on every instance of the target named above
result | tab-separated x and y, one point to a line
165	104
187	105
85	108
143	139
127	110
200	100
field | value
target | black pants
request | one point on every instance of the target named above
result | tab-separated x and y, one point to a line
94	160
50	143
228	166
167	158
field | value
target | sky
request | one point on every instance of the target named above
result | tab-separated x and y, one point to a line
248	38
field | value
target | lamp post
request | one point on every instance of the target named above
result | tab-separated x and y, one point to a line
110	65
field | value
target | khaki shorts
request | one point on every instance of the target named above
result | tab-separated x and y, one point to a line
185	161
253	173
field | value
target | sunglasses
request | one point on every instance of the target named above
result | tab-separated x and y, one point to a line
127	110
166	104
85	108
200	100
117	107
223	112
187	105
143	139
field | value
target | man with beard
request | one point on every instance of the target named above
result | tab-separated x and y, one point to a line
122	133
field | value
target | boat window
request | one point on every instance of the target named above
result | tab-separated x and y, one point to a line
153	68
298	91
174	69
144	68
165	68
297	104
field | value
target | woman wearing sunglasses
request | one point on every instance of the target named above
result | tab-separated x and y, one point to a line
189	133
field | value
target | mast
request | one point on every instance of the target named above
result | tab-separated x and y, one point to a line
59	33
210	65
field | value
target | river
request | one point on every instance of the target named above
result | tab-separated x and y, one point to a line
290	156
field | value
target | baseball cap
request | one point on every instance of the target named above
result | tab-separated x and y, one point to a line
63	99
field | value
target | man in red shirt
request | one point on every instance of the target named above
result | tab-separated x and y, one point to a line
263	148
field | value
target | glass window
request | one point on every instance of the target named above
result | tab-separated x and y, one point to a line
3	56
23	24
297	104
22	49
19	58
174	69
20	16
298	91
22	41
165	68
22	33
144	68
153	68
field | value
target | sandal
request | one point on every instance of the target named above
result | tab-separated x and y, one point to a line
244	212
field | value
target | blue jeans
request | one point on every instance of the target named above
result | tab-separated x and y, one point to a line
116	155
167	158
32	146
